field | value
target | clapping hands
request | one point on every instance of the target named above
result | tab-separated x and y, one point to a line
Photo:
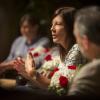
30	64
25	67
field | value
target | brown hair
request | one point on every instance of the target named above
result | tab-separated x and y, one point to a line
32	20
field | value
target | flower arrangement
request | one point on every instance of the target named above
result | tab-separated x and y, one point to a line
61	78
38	54
50	63
40	50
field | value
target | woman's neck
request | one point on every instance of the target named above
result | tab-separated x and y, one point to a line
65	45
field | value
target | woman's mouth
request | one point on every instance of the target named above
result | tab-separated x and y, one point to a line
54	36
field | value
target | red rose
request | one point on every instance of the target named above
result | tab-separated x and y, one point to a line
52	73
36	54
56	69
72	67
63	81
46	50
31	49
48	57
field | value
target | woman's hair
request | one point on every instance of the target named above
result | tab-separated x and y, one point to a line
67	14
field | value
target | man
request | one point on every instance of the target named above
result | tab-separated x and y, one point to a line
31	37
87	33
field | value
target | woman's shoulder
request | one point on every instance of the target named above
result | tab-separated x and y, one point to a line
75	47
74	50
74	56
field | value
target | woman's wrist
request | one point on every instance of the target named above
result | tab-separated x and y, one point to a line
36	75
20	80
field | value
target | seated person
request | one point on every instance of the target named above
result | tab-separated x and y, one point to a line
30	37
87	33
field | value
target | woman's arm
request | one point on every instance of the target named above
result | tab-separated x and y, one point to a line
28	71
43	80
35	79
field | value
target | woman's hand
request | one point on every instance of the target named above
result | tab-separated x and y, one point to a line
25	67
45	73
30	65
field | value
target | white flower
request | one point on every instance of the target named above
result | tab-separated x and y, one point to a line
50	65
38	54
63	71
38	49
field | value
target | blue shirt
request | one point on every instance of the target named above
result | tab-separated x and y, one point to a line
20	46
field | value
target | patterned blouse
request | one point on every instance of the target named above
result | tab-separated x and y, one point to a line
74	57
67	70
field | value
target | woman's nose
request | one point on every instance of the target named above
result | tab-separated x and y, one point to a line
52	28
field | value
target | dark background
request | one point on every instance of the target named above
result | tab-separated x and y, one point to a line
12	10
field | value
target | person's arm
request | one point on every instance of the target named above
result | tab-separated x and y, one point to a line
29	72
9	62
43	80
6	65
35	79
39	81
30	69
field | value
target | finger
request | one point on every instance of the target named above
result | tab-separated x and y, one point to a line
15	63
30	55
42	72
19	68
16	67
47	75
18	63
19	60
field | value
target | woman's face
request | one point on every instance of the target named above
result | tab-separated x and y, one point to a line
26	29
58	30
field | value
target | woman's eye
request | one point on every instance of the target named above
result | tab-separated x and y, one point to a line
58	23
54	24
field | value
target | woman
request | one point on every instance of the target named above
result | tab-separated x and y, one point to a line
62	34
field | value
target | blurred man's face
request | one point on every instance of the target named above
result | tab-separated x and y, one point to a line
26	29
